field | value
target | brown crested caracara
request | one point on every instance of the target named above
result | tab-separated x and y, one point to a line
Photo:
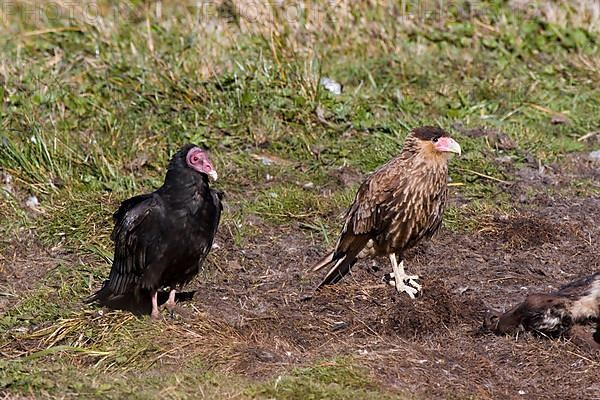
554	314
396	206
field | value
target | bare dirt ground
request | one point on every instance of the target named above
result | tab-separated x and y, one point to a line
24	262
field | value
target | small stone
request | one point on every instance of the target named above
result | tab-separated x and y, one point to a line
6	180
306	297
505	143
265	356
462	290
339	326
331	86
32	202
594	156
559	119
504	159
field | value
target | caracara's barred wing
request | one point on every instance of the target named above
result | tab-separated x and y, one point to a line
364	221
367	215
136	235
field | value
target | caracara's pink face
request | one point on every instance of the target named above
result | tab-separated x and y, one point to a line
446	144
197	159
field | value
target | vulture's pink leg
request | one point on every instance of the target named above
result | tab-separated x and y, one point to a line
170	304
155	313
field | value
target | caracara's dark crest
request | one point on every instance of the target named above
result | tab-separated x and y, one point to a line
429	133
162	238
395	207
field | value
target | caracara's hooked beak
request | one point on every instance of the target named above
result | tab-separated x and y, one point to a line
213	175
446	144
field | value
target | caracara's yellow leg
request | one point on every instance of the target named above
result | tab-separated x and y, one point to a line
398	277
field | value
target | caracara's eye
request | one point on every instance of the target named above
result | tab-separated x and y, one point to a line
434	140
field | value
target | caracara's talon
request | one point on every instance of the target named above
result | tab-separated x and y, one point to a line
411	287
407	284
414	284
410	291
410	278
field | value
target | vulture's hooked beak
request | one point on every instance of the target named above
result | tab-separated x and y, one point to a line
447	144
213	175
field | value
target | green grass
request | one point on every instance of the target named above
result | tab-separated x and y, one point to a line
52	376
91	111
331	380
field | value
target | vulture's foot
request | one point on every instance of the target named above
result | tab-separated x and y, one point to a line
155	314
170	304
179	312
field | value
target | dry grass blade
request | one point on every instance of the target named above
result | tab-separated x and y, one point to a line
485	176
53	30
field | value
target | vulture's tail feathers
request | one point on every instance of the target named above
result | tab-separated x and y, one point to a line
101	295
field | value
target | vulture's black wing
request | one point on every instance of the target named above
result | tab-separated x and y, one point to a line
136	235
217	198
211	218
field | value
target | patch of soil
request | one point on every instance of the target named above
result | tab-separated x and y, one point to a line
431	346
23	262
534	179
526	231
346	176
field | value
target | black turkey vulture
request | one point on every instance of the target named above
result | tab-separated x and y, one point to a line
162	238
395	207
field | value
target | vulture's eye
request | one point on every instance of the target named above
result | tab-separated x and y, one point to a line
434	140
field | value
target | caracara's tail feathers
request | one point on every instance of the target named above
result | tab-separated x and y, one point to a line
342	258
324	262
341	266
